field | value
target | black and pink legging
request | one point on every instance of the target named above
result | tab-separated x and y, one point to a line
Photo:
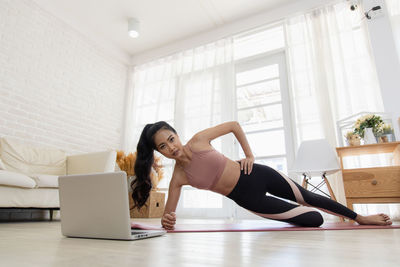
250	193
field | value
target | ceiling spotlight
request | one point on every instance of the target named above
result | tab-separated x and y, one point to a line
353	4
353	7
133	27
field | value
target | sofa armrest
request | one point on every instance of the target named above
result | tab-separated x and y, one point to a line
91	162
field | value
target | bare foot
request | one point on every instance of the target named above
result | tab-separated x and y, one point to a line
377	219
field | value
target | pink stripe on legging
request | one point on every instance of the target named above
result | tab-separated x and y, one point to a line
286	215
295	189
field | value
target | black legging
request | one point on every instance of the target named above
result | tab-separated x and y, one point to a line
250	193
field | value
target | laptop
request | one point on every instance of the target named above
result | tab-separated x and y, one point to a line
97	206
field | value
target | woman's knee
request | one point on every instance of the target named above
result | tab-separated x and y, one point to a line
315	219
309	219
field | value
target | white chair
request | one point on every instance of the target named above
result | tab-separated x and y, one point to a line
316	158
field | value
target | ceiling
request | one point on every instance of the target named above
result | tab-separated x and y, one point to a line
162	22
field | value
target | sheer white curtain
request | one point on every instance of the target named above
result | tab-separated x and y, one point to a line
332	76
394	13
192	90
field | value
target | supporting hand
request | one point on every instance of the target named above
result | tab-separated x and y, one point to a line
168	220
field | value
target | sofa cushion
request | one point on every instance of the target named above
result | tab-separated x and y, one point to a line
29	159
45	180
16	179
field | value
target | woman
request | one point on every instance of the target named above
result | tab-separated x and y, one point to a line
199	165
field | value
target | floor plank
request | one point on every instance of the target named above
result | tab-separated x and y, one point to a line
41	244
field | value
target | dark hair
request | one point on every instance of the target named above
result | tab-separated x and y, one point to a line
141	186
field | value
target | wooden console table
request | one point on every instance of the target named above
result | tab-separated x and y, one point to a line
371	185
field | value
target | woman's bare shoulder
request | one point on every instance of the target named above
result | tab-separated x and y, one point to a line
196	143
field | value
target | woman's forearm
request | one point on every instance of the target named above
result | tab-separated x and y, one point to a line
169	207
173	198
241	137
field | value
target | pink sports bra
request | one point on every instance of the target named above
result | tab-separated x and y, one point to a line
205	169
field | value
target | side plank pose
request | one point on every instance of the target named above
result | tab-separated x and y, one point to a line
198	164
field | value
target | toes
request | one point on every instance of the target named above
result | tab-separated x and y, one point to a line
385	217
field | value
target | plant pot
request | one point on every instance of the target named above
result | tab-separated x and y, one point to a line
354	142
369	137
386	138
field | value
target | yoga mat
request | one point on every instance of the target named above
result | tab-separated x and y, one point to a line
260	227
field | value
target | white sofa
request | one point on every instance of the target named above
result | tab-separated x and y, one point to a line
29	174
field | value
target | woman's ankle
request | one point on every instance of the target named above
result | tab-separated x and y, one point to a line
359	218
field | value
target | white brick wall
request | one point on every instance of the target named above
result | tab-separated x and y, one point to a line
56	88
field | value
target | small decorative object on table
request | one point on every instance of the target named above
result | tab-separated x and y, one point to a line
154	206
352	138
387	134
369	127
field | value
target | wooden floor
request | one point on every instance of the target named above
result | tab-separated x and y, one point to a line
41	244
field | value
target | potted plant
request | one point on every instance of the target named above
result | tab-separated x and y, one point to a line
369	127
352	138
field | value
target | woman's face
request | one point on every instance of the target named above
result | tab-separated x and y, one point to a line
168	143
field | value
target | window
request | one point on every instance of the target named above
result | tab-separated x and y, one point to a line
262	95
262	99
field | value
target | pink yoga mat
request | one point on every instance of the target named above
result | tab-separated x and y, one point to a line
260	227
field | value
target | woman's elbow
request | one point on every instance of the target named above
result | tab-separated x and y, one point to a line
235	125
